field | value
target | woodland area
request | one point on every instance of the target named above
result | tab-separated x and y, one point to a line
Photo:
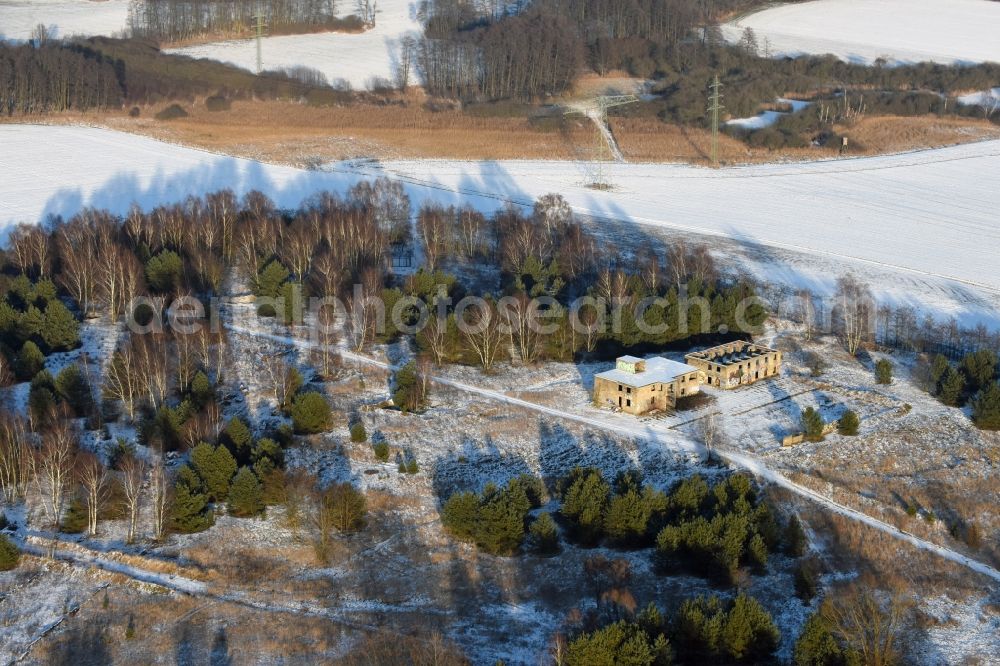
175	20
53	78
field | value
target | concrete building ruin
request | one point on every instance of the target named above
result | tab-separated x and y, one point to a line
735	364
638	386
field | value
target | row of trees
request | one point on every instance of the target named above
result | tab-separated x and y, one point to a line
173	20
712	530
51	77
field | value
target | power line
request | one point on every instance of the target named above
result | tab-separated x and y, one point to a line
259	26
715	108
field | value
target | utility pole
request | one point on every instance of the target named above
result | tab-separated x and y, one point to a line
259	25
715	108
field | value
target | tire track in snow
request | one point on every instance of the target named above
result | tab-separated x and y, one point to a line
657	435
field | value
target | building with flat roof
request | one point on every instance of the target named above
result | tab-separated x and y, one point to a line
735	364
640	385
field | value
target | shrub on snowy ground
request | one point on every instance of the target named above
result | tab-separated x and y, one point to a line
346	507
9	553
358	433
883	371
310	413
172	112
381	450
848	423
812	425
494	520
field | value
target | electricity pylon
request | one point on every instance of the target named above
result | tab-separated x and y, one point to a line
259	25
715	107
597	110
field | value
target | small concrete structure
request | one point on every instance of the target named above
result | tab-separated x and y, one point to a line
638	386
735	364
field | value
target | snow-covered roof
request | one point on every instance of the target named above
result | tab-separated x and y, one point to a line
658	370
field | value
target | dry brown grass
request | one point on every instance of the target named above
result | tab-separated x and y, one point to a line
894	133
294	133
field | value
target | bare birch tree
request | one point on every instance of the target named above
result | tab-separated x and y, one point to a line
93	476
133	471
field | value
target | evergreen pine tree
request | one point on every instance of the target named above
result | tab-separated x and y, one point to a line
358	433
812	424
189	511
544	535
460	514
585	504
10	556
883	371
310	413
848	423
237	434
951	388
816	645
986	408
201	390
165	271
216	467
796	542
246	497
74	389
627	517
270	279
61	330
30	361
74	521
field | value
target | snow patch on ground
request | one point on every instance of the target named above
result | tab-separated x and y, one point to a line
64	18
767	118
357	58
862	31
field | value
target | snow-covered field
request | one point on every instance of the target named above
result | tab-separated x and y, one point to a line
902	31
355	58
928	218
64	18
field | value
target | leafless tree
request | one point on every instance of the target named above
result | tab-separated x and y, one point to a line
123	380
518	315
133	471
159	490
807	312
482	334
15	456
989	102
855	308
552	211
93	477
871	625
53	464
434	230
